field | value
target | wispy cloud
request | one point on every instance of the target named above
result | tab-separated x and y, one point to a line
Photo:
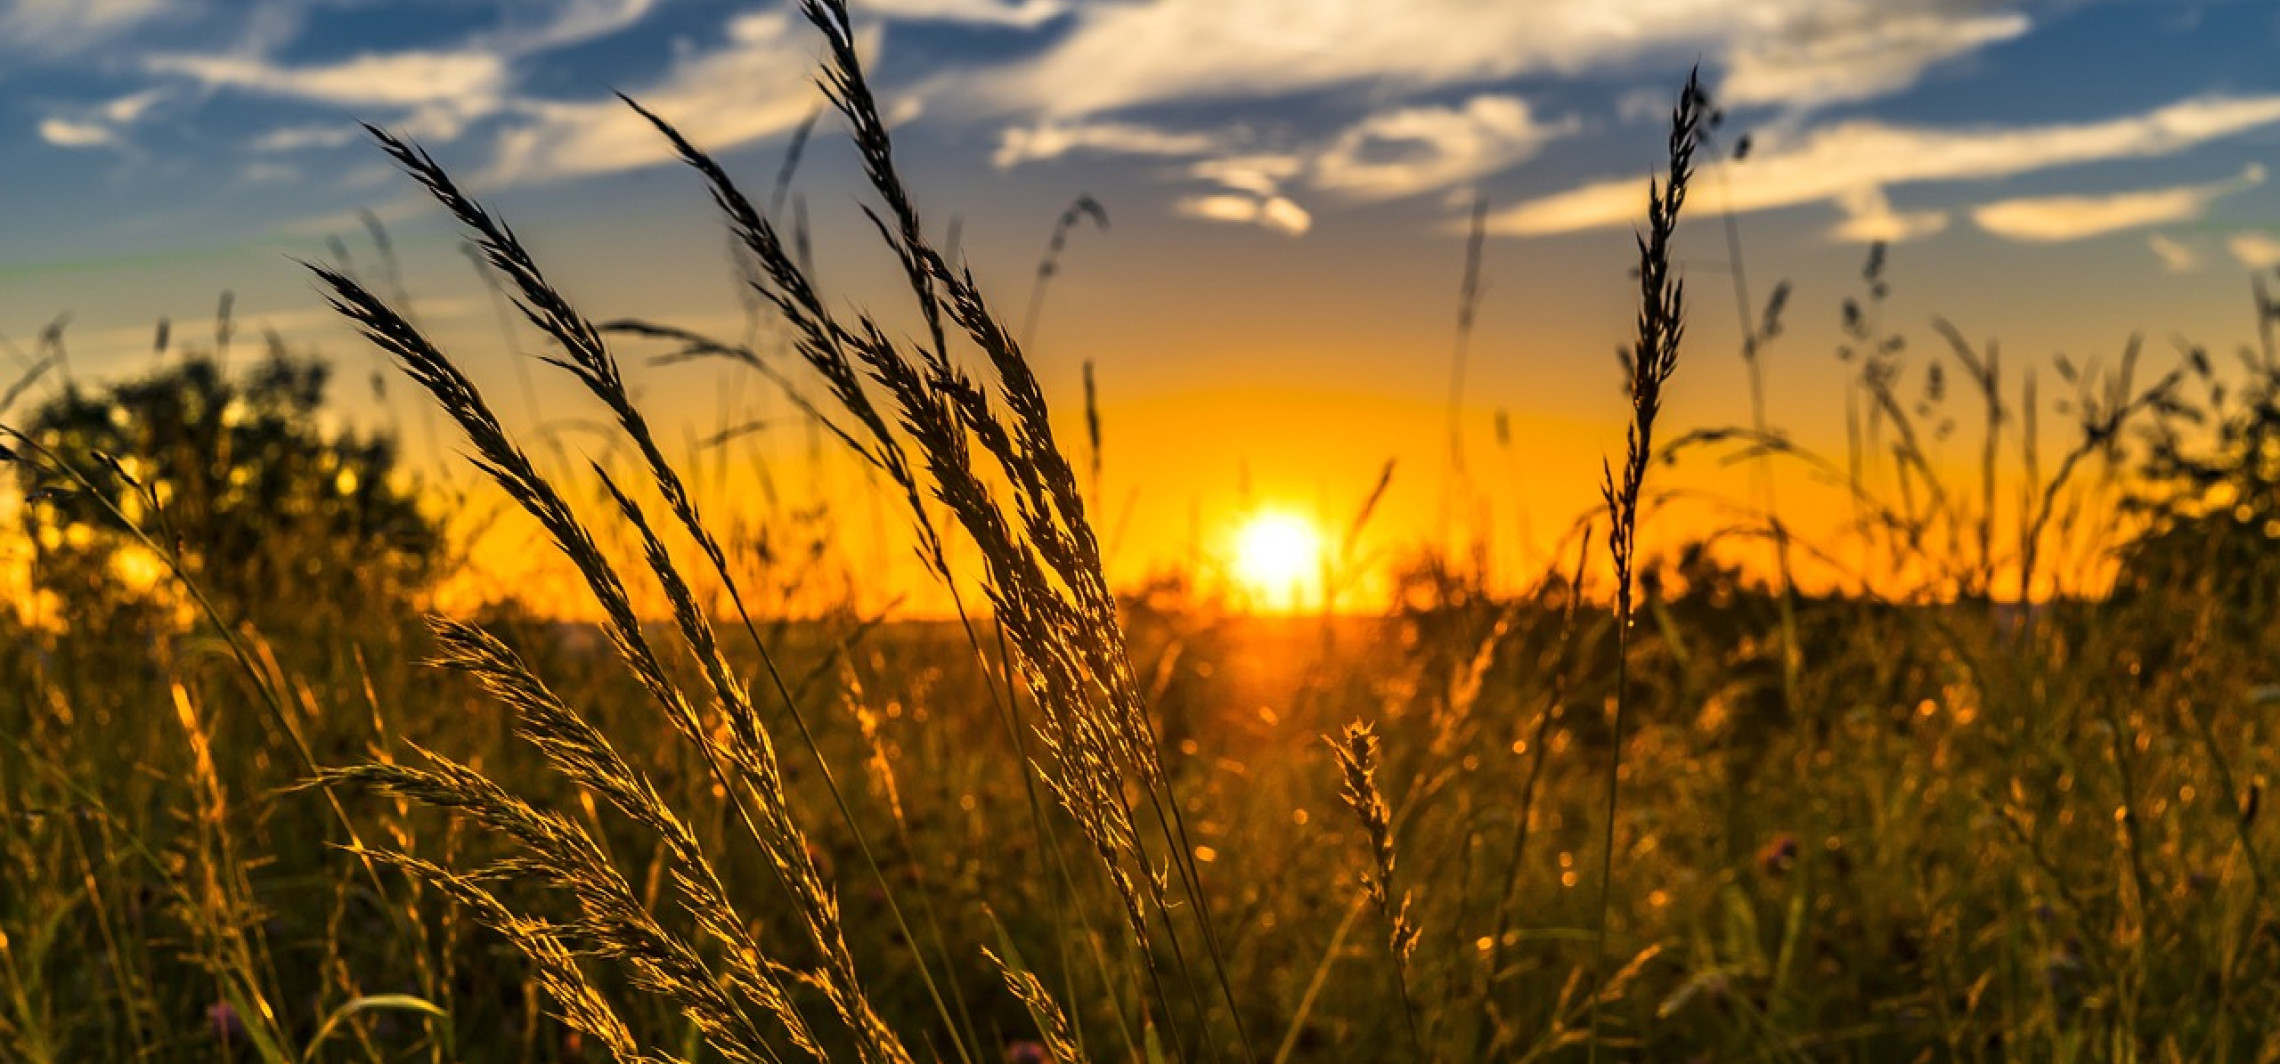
1858	52
1052	140
435	92
70	133
472	79
2175	257
1847	160
1025	14
65	27
1870	218
755	85
2255	250
129	109
1251	192
2052	219
1269	211
1422	149
1402	151
568	22
304	137
1127	55
102	125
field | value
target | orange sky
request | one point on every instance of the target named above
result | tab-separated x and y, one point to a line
1271	313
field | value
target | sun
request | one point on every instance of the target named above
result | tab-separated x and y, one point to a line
1278	559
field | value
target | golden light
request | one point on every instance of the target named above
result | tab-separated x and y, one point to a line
1278	560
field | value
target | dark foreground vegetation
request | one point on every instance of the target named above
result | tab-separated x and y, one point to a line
254	806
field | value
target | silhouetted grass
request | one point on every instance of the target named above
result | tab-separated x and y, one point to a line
1897	820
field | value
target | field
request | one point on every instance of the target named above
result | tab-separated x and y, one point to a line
1992	793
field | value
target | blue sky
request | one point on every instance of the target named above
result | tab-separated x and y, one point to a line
1288	181
1897	119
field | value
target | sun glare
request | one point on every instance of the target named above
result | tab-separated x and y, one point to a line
1278	560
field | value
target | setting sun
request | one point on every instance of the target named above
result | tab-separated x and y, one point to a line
1278	560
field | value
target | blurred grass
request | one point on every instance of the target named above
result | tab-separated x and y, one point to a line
1914	818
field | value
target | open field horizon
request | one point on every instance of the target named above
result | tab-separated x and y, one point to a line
1095	531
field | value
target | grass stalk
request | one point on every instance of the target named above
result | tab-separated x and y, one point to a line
1653	358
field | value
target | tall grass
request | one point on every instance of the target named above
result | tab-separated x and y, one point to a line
1894	822
1044	581
1652	360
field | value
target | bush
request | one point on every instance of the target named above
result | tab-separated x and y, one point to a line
277	518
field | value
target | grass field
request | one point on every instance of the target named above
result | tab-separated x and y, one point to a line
1990	792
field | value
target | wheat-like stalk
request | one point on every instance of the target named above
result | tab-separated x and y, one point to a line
744	763
1356	752
1651	360
1043	572
1042	563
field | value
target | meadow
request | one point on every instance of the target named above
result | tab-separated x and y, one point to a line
1988	788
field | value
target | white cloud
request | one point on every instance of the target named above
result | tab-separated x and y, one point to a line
1126	55
129	109
1869	218
269	173
2255	250
1051	140
313	135
463	79
757	85
102	125
1272	212
1832	163
1420	149
572	22
1024	14
1260	174
2175	257
1399	152
66	133
2051	219
1860	54
438	92
68	26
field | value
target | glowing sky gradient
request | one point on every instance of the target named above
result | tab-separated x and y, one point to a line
1271	312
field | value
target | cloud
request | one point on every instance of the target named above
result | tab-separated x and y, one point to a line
60	27
2052	219
1395	153
465	79
102	125
437	92
66	133
269	173
757	85
1022	14
572	22
1260	174
1052	140
313	135
1869	218
1832	163
1859	57
2175	257
2255	250
1272	212
129	109
1127	55
1420	149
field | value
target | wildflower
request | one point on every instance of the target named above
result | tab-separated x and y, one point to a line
222	1018
1027	1053
1778	855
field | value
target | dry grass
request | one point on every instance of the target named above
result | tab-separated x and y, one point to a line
1077	826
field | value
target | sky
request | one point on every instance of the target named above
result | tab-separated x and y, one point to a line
1271	311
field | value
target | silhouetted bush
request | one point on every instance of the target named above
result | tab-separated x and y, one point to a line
276	517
